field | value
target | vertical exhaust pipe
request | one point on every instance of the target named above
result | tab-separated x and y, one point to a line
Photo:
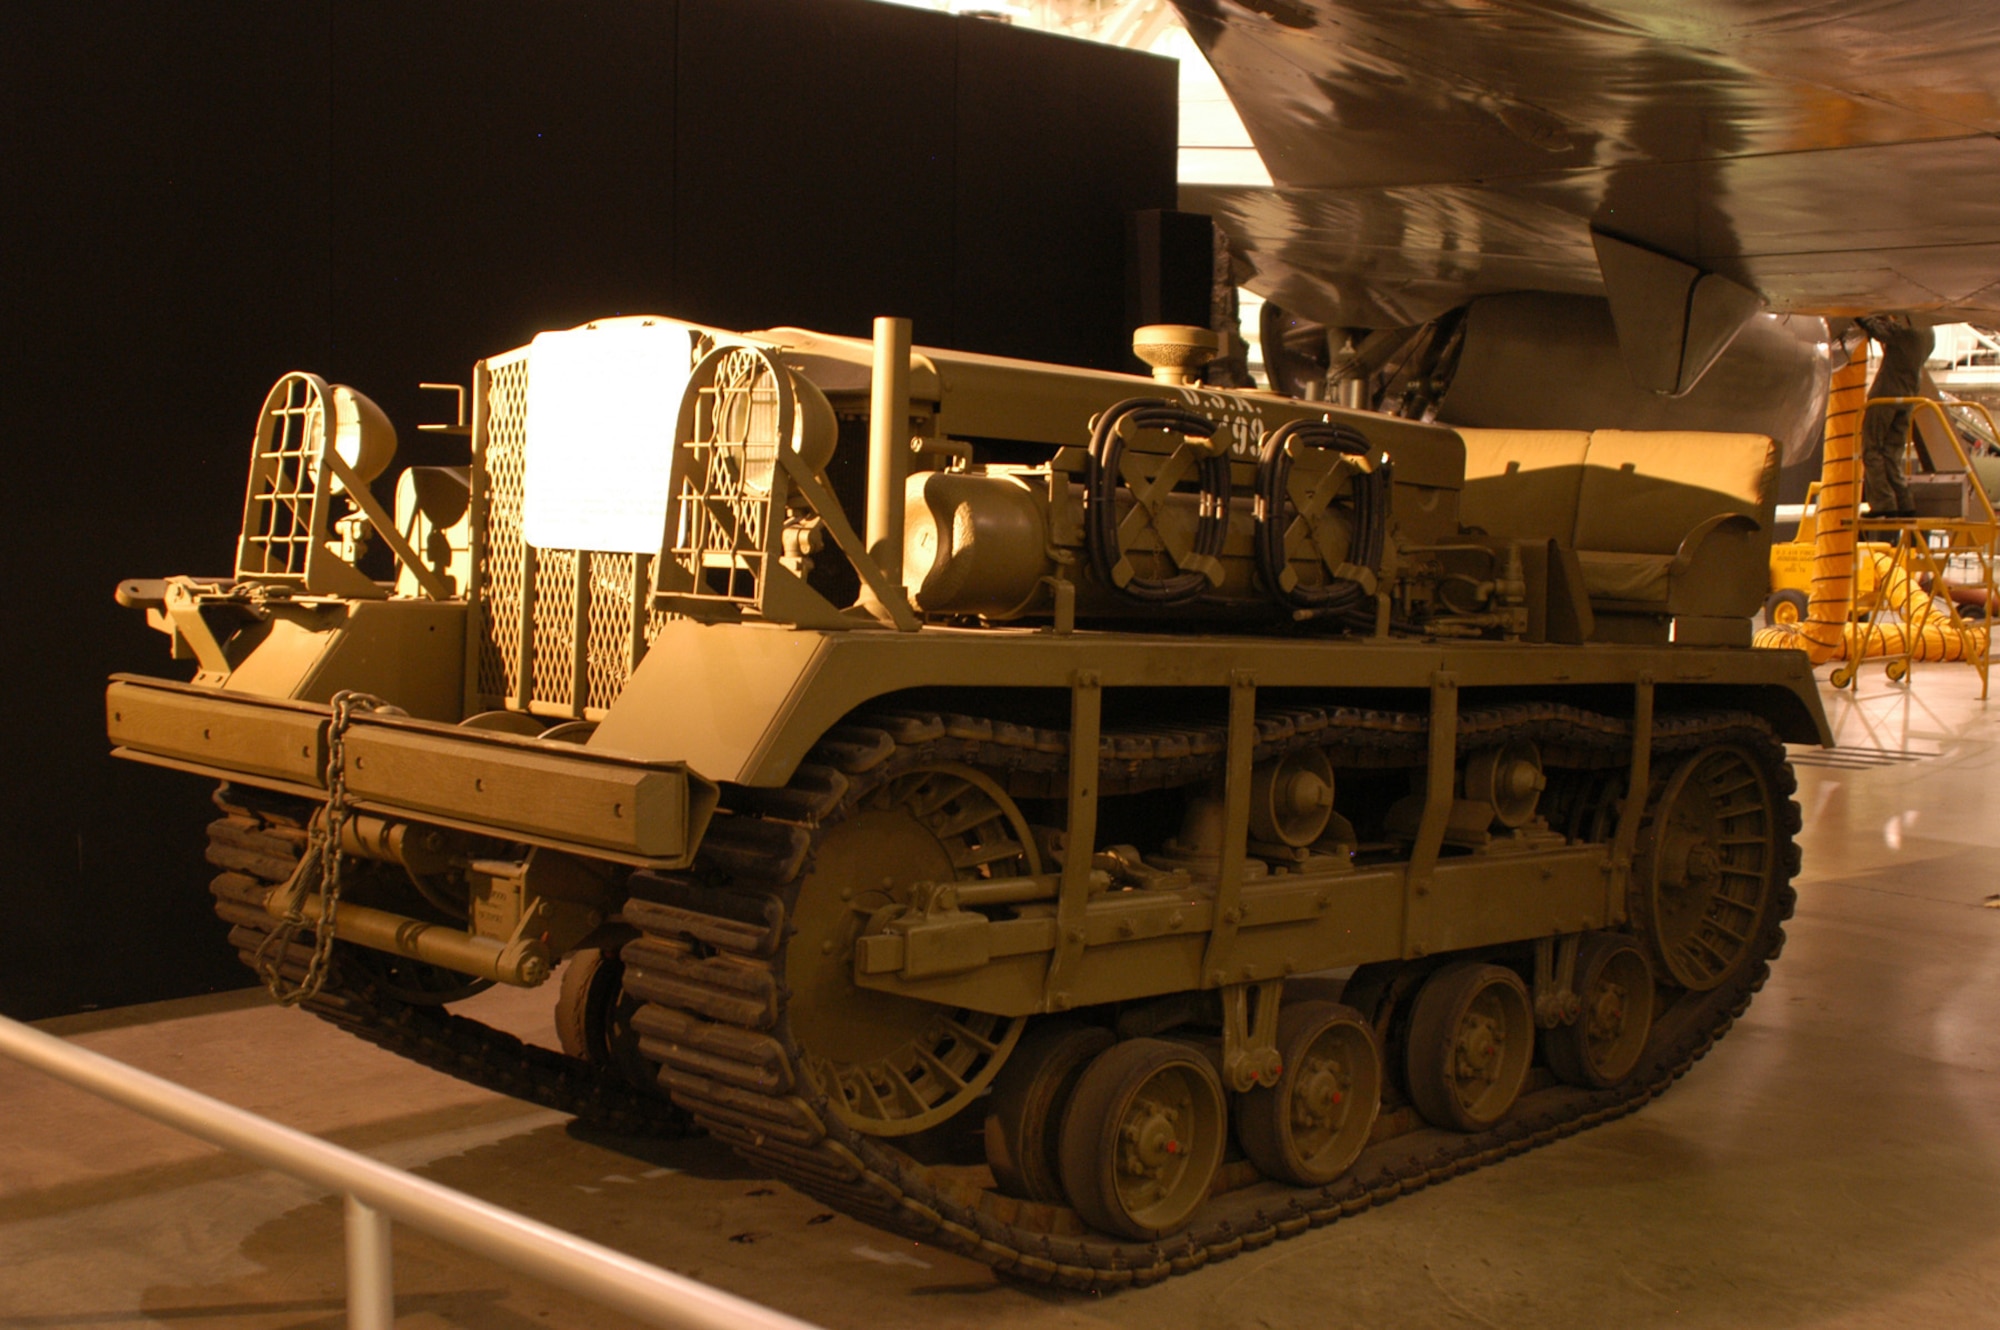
889	449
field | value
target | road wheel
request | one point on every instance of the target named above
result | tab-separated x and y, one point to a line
1309	1127
1142	1138
1472	1036
594	1018
1614	983
1024	1113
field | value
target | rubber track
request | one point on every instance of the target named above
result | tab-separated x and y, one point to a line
256	848
710	961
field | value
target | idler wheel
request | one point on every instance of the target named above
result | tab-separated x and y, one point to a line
1472	1036
1311	1126
1024	1114
1142	1138
594	1018
892	1065
1600	1047
1703	872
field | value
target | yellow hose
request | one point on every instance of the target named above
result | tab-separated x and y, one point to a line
1926	631
1822	634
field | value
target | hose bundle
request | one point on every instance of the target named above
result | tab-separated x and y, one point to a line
1370	515
1107	450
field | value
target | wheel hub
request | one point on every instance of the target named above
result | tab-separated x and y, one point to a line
1480	1047
1318	1095
1152	1140
1607	1014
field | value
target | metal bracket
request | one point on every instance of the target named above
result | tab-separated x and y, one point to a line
458	423
182	613
1440	791
1086	715
1556	1000
385	529
1250	1054
1619	874
1241	748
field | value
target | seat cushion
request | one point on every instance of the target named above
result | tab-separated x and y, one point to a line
1642	492
1523	483
1631	579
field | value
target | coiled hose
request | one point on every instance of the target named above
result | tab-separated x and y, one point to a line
1107	448
1371	516
1926	631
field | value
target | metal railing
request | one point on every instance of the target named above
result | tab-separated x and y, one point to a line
376	1193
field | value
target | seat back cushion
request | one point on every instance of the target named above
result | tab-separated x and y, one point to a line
1643	491
1523	483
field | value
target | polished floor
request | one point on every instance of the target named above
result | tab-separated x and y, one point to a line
1834	1162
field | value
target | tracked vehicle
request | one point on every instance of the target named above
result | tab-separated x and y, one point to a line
1095	824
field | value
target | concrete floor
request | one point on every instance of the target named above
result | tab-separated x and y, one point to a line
1834	1162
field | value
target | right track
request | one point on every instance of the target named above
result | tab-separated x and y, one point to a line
710	964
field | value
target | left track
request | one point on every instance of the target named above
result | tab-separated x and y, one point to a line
257	844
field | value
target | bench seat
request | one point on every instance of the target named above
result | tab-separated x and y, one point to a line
1671	528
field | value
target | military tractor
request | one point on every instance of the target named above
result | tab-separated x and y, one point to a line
1090	822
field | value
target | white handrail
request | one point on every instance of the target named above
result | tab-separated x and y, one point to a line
375	1191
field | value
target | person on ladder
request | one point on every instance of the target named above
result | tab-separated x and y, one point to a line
1905	347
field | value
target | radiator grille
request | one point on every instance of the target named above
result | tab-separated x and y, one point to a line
561	630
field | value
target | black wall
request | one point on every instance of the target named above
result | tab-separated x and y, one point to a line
197	198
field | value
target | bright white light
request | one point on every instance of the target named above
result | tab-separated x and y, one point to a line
602	406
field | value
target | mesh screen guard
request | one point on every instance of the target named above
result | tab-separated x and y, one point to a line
560	630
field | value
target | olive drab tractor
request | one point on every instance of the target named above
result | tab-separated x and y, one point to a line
1090	822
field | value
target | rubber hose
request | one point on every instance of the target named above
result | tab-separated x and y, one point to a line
1371	511
1101	497
1822	634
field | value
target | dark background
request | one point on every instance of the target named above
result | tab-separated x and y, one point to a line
195	199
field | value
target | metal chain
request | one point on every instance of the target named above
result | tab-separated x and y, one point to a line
322	860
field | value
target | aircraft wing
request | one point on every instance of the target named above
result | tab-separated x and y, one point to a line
1833	156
